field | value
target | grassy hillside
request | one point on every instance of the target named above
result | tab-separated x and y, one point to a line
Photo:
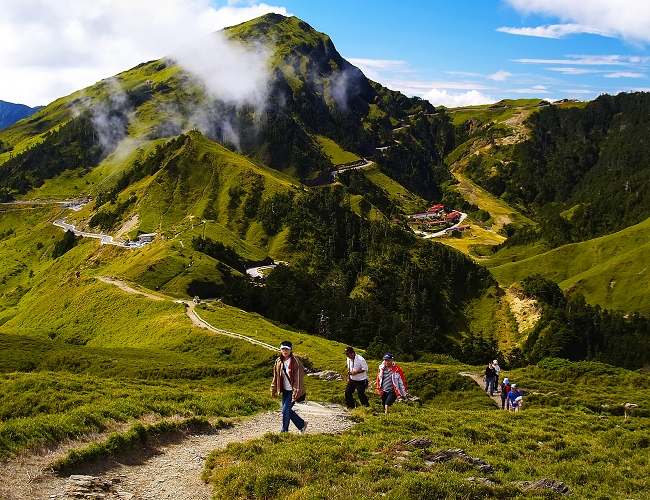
572	428
609	271
72	365
409	202
337	155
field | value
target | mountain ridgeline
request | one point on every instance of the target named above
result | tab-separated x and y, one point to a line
10	113
311	91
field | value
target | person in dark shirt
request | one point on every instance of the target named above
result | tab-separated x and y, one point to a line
488	378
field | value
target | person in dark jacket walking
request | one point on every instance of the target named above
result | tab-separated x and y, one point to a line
289	381
488	378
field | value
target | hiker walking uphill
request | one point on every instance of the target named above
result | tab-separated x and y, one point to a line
497	369
289	380
488	378
515	398
357	378
505	390
390	382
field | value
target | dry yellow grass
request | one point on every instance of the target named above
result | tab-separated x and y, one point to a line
475	235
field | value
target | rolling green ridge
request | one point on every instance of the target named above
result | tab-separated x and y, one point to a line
609	271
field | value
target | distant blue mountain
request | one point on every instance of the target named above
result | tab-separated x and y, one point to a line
11	113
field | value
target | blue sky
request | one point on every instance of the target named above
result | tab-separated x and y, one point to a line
451	52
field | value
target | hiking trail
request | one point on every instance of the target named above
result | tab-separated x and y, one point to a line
165	467
479	380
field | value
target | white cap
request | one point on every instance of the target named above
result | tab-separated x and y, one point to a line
495	362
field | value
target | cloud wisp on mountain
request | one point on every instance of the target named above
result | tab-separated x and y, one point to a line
55	48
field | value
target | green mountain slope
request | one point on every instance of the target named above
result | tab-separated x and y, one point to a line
609	271
218	208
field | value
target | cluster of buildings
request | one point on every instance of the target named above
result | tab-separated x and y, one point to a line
435	217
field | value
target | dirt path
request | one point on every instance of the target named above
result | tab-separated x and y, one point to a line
479	380
127	288
191	313
168	467
198	321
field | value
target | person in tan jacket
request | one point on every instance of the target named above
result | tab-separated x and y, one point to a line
289	381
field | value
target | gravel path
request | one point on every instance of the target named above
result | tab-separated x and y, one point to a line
168	467
479	380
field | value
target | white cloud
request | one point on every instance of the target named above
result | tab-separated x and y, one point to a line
534	90
574	71
624	74
579	91
391	74
608	74
233	73
470	98
51	49
598	60
629	19
418	87
554	31
463	73
500	76
389	64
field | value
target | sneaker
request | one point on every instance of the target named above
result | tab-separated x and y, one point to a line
304	428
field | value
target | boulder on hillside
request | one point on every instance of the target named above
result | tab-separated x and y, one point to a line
544	484
330	375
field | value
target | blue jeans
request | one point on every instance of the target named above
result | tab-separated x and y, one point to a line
288	415
489	383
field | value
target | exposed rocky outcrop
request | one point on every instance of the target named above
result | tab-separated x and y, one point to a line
330	375
458	454
544	484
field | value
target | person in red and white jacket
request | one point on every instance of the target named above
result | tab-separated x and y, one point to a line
390	382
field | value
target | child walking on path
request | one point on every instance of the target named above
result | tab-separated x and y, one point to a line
514	398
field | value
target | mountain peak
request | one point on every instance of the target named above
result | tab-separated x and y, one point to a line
285	34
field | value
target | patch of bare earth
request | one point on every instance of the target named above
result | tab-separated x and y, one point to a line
526	311
131	223
166	467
